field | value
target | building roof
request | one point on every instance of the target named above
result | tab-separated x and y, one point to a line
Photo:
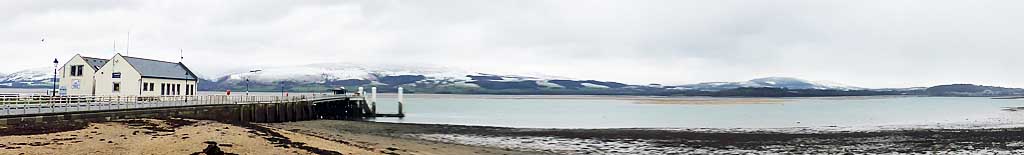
160	69
95	63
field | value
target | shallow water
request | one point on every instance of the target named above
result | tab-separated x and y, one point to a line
627	112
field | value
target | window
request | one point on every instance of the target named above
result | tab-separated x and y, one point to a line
148	86
117	87
80	68
163	89
116	75
76	70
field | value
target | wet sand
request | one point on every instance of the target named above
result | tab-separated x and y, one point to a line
687	141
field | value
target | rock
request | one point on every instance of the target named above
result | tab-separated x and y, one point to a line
39	144
212	149
226	145
392	148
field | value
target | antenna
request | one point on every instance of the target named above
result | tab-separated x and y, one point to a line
181	53
115	46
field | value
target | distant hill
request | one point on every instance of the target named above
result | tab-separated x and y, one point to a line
440	80
972	90
423	79
31	78
785	92
768	82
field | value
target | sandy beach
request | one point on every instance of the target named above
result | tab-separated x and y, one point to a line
183	136
331	137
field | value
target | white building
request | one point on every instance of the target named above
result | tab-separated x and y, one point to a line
126	76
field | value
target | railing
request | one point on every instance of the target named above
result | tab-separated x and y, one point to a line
34	104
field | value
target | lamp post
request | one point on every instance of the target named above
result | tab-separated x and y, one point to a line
54	80
247	81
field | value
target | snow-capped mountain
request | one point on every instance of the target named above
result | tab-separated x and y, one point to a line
769	82
36	77
392	76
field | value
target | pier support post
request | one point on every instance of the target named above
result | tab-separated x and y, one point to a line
361	92
400	101
373	100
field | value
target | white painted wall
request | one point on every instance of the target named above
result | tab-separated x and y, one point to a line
158	87
129	78
85	82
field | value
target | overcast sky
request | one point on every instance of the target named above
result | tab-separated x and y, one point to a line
885	43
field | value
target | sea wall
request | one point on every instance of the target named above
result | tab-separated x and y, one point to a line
254	113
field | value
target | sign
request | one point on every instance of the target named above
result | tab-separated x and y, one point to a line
115	75
76	84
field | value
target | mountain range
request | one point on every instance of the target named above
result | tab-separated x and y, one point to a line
30	78
769	82
433	79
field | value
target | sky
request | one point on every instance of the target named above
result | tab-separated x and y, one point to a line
870	43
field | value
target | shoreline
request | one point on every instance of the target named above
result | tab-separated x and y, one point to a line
653	141
185	136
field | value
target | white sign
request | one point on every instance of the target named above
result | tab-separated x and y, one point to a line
76	84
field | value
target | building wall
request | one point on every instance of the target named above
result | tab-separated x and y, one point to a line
129	81
161	84
85	82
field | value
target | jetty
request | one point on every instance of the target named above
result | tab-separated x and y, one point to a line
16	109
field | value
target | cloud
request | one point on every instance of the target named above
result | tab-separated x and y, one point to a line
864	43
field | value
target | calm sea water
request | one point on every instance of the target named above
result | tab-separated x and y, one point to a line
634	112
611	112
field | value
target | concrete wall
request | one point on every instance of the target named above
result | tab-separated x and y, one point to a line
342	108
258	113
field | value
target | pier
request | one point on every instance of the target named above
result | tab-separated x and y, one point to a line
15	109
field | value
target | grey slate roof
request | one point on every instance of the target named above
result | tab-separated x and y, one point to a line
160	69
95	63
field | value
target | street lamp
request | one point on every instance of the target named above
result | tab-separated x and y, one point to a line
54	80
247	81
